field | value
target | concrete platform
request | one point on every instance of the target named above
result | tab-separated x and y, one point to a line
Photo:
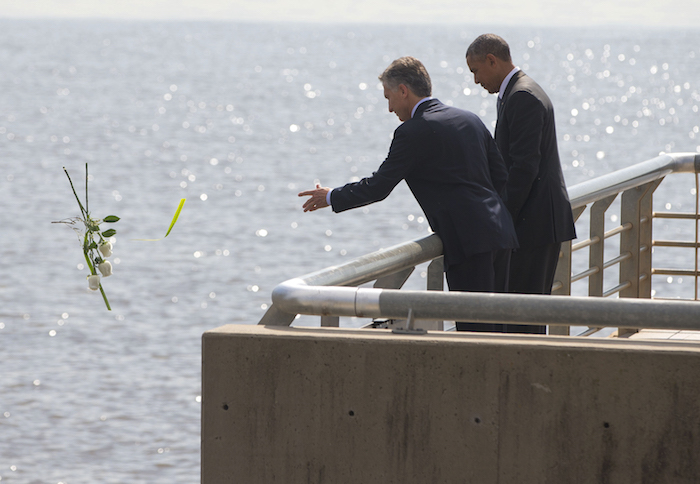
329	405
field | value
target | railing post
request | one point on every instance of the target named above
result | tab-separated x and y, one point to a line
436	282
645	239
697	226
274	317
436	275
562	275
395	280
330	321
596	254
630	243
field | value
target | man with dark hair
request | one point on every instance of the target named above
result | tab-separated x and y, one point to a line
535	192
452	166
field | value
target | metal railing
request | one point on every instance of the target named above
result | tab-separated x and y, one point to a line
333	292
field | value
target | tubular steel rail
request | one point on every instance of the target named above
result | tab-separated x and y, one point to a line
333	292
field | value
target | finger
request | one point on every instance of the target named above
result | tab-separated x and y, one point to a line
311	202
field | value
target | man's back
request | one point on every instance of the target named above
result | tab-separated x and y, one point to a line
536	193
448	159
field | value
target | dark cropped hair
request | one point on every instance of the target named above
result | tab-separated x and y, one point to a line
408	71
489	44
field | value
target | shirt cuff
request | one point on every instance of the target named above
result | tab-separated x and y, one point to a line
328	198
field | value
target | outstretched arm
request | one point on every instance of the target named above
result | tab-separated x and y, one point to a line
317	200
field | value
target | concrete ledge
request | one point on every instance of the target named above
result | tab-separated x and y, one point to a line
328	405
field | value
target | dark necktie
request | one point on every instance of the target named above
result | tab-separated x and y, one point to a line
499	104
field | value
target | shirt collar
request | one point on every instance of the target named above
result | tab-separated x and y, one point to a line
419	103
505	82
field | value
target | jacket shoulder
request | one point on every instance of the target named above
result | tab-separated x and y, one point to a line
526	84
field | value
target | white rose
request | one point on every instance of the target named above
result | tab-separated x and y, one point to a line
106	249
105	268
94	282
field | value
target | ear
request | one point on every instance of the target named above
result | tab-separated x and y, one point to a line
491	59
403	89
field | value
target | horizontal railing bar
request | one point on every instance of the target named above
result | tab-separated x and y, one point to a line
587	273
377	264
295	298
675	272
617	260
617	230
677	215
585	243
596	240
618	288
676	243
594	270
618	181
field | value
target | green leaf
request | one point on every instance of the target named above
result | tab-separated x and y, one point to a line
109	233
93	245
110	219
177	214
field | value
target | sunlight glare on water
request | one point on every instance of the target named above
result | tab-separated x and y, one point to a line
237	119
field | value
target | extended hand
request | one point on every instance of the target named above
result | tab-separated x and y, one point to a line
317	200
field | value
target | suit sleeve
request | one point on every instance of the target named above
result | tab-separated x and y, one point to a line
526	118
399	163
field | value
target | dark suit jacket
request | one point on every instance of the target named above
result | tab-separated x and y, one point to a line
451	164
535	194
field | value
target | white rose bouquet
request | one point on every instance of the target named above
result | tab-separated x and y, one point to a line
96	245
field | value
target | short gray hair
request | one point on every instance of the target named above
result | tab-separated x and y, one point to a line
487	44
408	71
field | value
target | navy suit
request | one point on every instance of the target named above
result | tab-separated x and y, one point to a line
452	166
535	193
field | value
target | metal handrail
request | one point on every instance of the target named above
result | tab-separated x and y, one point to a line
321	292
488	307
613	183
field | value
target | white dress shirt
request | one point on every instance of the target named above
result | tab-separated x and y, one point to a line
505	82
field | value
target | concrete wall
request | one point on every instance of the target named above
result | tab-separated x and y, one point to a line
312	405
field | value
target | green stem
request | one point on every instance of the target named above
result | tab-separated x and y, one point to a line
87	207
82	209
104	296
86	251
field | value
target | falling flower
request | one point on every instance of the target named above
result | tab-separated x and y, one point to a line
93	282
106	249
105	268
